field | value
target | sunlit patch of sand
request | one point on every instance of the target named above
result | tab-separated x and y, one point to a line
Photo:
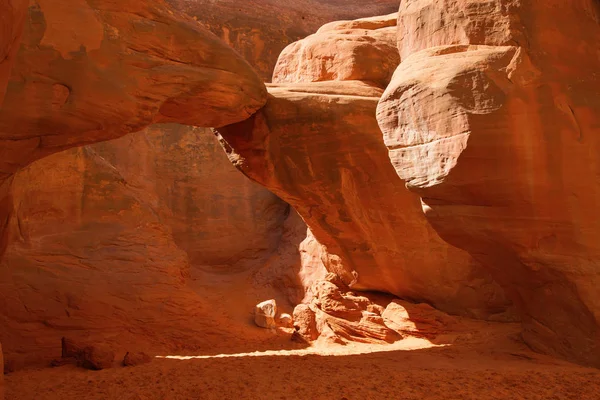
408	344
486	363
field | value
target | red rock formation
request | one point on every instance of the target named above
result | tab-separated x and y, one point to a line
91	71
493	120
342	317
12	18
318	147
363	49
151	242
261	29
335	315
87	72
136	181
215	215
85	355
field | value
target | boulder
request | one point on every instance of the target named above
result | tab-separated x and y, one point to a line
364	50
369	328
418	320
264	314
135	359
71	348
94	357
103	239
305	325
342	318
97	358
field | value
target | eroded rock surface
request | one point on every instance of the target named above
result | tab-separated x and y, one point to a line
363	49
215	215
318	147
336	317
493	120
87	71
94	70
104	241
260	29
418	320
86	355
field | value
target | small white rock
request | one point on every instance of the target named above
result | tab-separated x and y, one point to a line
264	314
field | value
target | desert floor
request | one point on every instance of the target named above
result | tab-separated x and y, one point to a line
490	362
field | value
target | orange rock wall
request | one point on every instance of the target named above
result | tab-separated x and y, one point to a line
493	120
12	18
151	241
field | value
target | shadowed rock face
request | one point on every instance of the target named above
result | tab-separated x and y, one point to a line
94	70
317	146
216	215
112	240
12	18
87	71
493	120
261	29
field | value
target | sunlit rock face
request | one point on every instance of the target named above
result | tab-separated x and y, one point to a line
363	50
317	145
260	29
492	118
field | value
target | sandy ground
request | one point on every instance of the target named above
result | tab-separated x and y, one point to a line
467	360
488	363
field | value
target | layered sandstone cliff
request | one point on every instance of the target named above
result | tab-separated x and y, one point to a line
91	71
492	118
317	146
153	240
86	251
